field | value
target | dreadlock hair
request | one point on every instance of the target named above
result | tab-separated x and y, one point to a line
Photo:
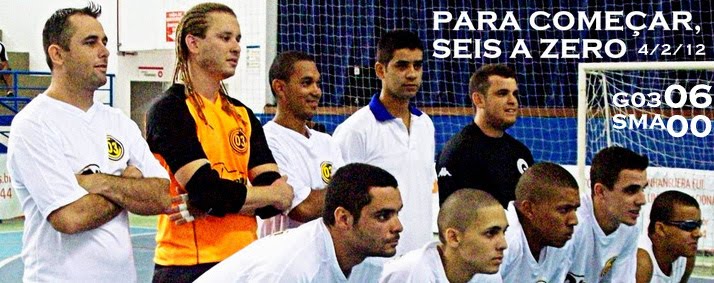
195	22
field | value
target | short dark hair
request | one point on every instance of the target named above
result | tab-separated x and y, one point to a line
540	180
663	207
461	208
349	188
284	64
395	40
58	31
479	79
609	162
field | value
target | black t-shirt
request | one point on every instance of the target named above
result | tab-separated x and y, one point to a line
470	159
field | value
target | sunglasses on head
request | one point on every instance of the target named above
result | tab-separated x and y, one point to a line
686	225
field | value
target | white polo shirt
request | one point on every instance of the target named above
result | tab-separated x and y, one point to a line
373	136
51	141
308	162
599	257
678	266
421	265
301	255
519	265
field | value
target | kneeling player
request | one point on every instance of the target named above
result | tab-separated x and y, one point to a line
668	251
359	220
471	233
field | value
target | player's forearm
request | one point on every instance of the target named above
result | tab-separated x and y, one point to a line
271	194
257	197
310	208
144	196
86	213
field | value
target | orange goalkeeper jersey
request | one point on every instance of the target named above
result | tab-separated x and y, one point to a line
178	136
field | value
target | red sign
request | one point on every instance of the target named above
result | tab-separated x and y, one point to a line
151	71
172	21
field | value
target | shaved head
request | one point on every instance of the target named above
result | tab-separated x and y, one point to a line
461	208
541	182
547	198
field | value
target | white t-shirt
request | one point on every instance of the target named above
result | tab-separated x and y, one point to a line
300	255
678	266
51	141
308	162
599	257
421	265
519	265
373	136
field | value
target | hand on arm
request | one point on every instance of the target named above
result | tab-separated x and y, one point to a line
79	211
307	202
90	211
278	194
144	196
182	212
86	213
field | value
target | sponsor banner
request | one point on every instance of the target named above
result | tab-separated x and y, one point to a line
9	204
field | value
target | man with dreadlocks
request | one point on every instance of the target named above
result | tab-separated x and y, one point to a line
212	145
78	165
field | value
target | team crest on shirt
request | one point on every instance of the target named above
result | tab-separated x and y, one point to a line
574	278
116	149
238	140
608	267
326	171
90	169
522	165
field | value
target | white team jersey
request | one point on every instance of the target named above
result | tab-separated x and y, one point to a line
678	266
421	265
519	265
52	141
301	255
599	257
408	155
308	162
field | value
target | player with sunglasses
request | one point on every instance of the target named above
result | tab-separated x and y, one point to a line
668	251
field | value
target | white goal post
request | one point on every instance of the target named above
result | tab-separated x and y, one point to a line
705	76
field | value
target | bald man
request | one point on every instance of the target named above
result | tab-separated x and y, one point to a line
471	241
542	220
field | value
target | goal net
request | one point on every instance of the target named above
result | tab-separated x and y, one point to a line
343	36
661	109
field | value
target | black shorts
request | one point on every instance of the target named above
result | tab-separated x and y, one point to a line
180	274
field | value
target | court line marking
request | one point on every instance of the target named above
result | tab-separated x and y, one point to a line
10	259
